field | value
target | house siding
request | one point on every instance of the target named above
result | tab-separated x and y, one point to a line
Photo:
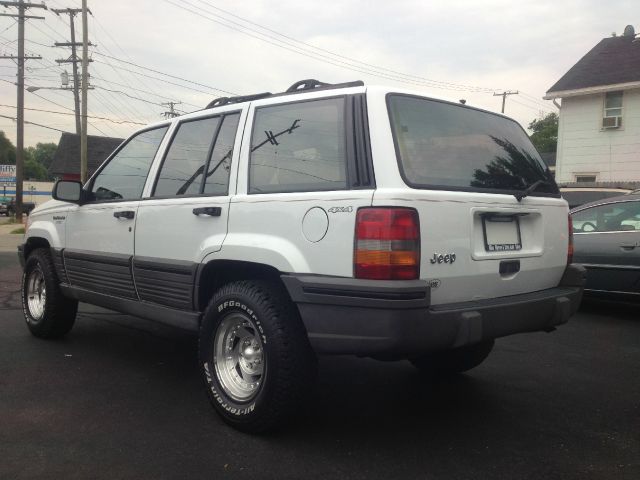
583	147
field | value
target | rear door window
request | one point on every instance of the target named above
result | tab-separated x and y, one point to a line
199	146
299	147
446	146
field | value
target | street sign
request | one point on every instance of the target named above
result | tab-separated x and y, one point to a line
7	174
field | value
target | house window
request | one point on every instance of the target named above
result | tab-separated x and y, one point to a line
612	110
586	178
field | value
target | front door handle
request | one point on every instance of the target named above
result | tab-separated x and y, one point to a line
629	246
211	211
128	214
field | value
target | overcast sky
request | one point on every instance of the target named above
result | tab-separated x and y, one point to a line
451	49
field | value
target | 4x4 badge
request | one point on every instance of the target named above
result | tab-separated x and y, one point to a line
348	209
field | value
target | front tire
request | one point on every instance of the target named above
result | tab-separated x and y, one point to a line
255	356
48	313
456	360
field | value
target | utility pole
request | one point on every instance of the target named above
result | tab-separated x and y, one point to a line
504	96
171	106
79	85
85	85
72	59
22	7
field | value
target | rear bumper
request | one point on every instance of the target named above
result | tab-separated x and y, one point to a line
368	317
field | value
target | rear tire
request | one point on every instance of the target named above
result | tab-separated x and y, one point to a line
48	313
255	356
456	360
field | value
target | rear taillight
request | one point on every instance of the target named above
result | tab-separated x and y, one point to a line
570	245
387	244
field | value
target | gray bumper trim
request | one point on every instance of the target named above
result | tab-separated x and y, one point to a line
348	316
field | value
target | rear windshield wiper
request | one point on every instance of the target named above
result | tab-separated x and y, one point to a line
530	189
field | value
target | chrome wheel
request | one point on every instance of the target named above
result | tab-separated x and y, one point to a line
36	294
238	355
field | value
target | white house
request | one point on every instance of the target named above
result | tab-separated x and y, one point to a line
599	129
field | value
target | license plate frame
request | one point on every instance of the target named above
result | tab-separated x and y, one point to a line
496	227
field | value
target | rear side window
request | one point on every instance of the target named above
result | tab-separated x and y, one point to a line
123	178
446	146
199	146
217	177
613	217
299	147
181	171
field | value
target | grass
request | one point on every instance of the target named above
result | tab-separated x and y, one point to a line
8	220
18	231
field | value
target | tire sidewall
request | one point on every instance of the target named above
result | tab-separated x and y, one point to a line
33	262
223	306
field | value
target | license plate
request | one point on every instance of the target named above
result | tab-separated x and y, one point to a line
501	233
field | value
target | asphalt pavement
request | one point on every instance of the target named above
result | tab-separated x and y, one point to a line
120	397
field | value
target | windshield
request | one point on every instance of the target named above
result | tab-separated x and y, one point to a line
446	146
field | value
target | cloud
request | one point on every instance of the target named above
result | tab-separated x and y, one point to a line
497	44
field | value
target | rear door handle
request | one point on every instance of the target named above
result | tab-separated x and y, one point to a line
629	246
211	211
128	214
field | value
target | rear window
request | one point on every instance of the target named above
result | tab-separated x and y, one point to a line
446	146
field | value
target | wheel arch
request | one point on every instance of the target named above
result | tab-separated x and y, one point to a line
32	243
215	273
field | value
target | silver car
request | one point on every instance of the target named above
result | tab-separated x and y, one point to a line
607	243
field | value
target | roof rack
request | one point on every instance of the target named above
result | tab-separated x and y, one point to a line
300	86
218	102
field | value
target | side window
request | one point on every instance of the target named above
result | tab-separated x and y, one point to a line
299	147
183	165
192	153
217	178
615	217
123	178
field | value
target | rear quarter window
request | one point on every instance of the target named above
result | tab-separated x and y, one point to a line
299	147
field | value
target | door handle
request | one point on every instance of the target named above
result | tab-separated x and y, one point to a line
128	214
211	211
629	246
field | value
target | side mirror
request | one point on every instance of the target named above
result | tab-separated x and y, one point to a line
67	191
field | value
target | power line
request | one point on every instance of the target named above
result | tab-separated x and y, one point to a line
65	113
162	80
34	123
362	67
130	96
350	59
165	74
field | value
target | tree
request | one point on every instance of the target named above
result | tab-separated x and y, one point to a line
43	153
545	132
7	150
36	159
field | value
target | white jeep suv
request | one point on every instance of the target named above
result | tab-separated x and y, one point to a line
332	219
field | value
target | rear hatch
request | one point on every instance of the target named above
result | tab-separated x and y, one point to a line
492	222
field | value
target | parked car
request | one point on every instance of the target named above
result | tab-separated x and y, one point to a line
576	196
607	243
4	202
330	219
27	207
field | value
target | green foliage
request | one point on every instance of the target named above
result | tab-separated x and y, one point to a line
43	153
7	150
545	132
36	159
18	231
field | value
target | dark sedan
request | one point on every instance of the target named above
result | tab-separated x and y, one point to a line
607	243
